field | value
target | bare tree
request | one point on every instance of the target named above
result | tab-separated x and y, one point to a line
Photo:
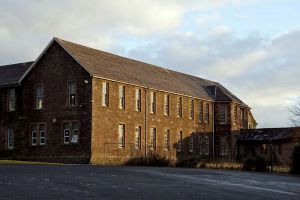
295	111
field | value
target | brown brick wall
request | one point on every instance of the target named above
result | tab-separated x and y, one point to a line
106	119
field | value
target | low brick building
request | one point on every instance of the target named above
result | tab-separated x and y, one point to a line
78	104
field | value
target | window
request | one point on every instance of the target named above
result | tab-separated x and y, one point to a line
200	114
39	95
34	132
72	94
38	134
206	113
191	143
222	114
153	102
105	94
10	138
71	132
206	145
42	134
166	105
235	114
191	109
167	139
12	99
200	143
121	96
137	140
242	117
179	141
153	138
223	146
138	100
121	136
179	107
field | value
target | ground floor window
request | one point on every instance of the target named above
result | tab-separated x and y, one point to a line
206	145
10	138
223	146
137	135
200	143
71	132
191	143
38	134
167	139
179	141
153	138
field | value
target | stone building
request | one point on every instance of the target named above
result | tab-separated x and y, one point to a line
78	104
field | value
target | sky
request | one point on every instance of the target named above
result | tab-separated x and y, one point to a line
251	47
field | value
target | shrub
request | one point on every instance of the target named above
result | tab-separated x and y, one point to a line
190	161
296	160
255	163
249	163
150	160
260	164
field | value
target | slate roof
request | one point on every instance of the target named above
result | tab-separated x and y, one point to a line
110	66
11	74
269	134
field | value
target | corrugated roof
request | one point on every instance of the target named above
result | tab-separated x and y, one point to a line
107	65
11	74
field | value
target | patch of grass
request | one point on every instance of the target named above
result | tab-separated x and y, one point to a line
21	162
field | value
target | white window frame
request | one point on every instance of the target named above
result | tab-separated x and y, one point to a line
179	107
191	109
72	91
153	133
10	138
167	139
39	97
32	134
11	99
121	136
122	97
40	134
105	94
73	137
138	99
191	142
179	141
166	105
137	137
153	102
223	114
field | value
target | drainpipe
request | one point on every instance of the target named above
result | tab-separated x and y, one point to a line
213	112
145	122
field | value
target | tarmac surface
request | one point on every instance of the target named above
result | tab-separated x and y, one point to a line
94	182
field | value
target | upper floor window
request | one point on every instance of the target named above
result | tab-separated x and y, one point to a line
138	100
191	109
235	114
206	113
121	96
39	96
153	102
179	107
200	114
179	141
167	139
152	138
223	114
71	132
72	93
10	137
121	135
166	105
137	140
12	99
105	94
